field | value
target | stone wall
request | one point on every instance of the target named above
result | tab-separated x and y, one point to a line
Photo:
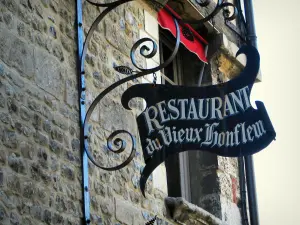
40	156
40	174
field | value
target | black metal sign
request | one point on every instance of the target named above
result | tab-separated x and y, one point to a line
188	121
217	118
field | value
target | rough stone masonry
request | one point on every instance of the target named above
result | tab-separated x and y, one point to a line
40	175
40	155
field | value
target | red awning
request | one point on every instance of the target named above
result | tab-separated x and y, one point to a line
188	36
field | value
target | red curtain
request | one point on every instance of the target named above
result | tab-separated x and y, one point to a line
191	40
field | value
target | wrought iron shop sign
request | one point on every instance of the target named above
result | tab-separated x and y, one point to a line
217	118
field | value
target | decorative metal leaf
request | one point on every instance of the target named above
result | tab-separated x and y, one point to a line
187	33
203	3
151	222
124	70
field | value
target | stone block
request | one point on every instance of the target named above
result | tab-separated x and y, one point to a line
37	121
3	214
187	213
41	138
228	165
36	212
114	116
71	95
55	147
1	178
3	157
15	78
5	44
47	217
230	212
43	158
57	219
27	150
13	183
160	179
33	105
28	189
107	206
100	189
57	135
212	204
60	121
14	218
47	126
225	183
60	203
2	101
16	53
75	145
151	25
127	213
9	139
16	163
25	113
49	73
143	34
5	118
68	172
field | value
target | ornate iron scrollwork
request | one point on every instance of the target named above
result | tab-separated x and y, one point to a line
124	70
116	144
146	53
221	4
152	221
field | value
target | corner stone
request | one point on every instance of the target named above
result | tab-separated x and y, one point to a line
49	73
128	214
16	53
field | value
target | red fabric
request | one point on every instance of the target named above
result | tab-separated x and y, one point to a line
197	46
234	189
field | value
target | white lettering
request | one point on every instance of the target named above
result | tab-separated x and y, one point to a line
192	114
162	111
153	120
174	111
216	109
182	103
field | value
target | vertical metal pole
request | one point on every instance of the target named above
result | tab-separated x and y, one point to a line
83	133
202	69
243	191
251	31
251	188
250	175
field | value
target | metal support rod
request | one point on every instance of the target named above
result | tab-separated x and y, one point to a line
202	69
251	31
251	188
243	191
81	97
250	175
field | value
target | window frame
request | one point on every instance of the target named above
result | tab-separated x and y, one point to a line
177	166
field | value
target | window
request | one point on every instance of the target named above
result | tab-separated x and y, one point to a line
195	175
186	69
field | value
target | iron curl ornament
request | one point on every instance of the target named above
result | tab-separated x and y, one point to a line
144	52
115	143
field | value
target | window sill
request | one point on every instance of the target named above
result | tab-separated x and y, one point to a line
233	65
187	213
